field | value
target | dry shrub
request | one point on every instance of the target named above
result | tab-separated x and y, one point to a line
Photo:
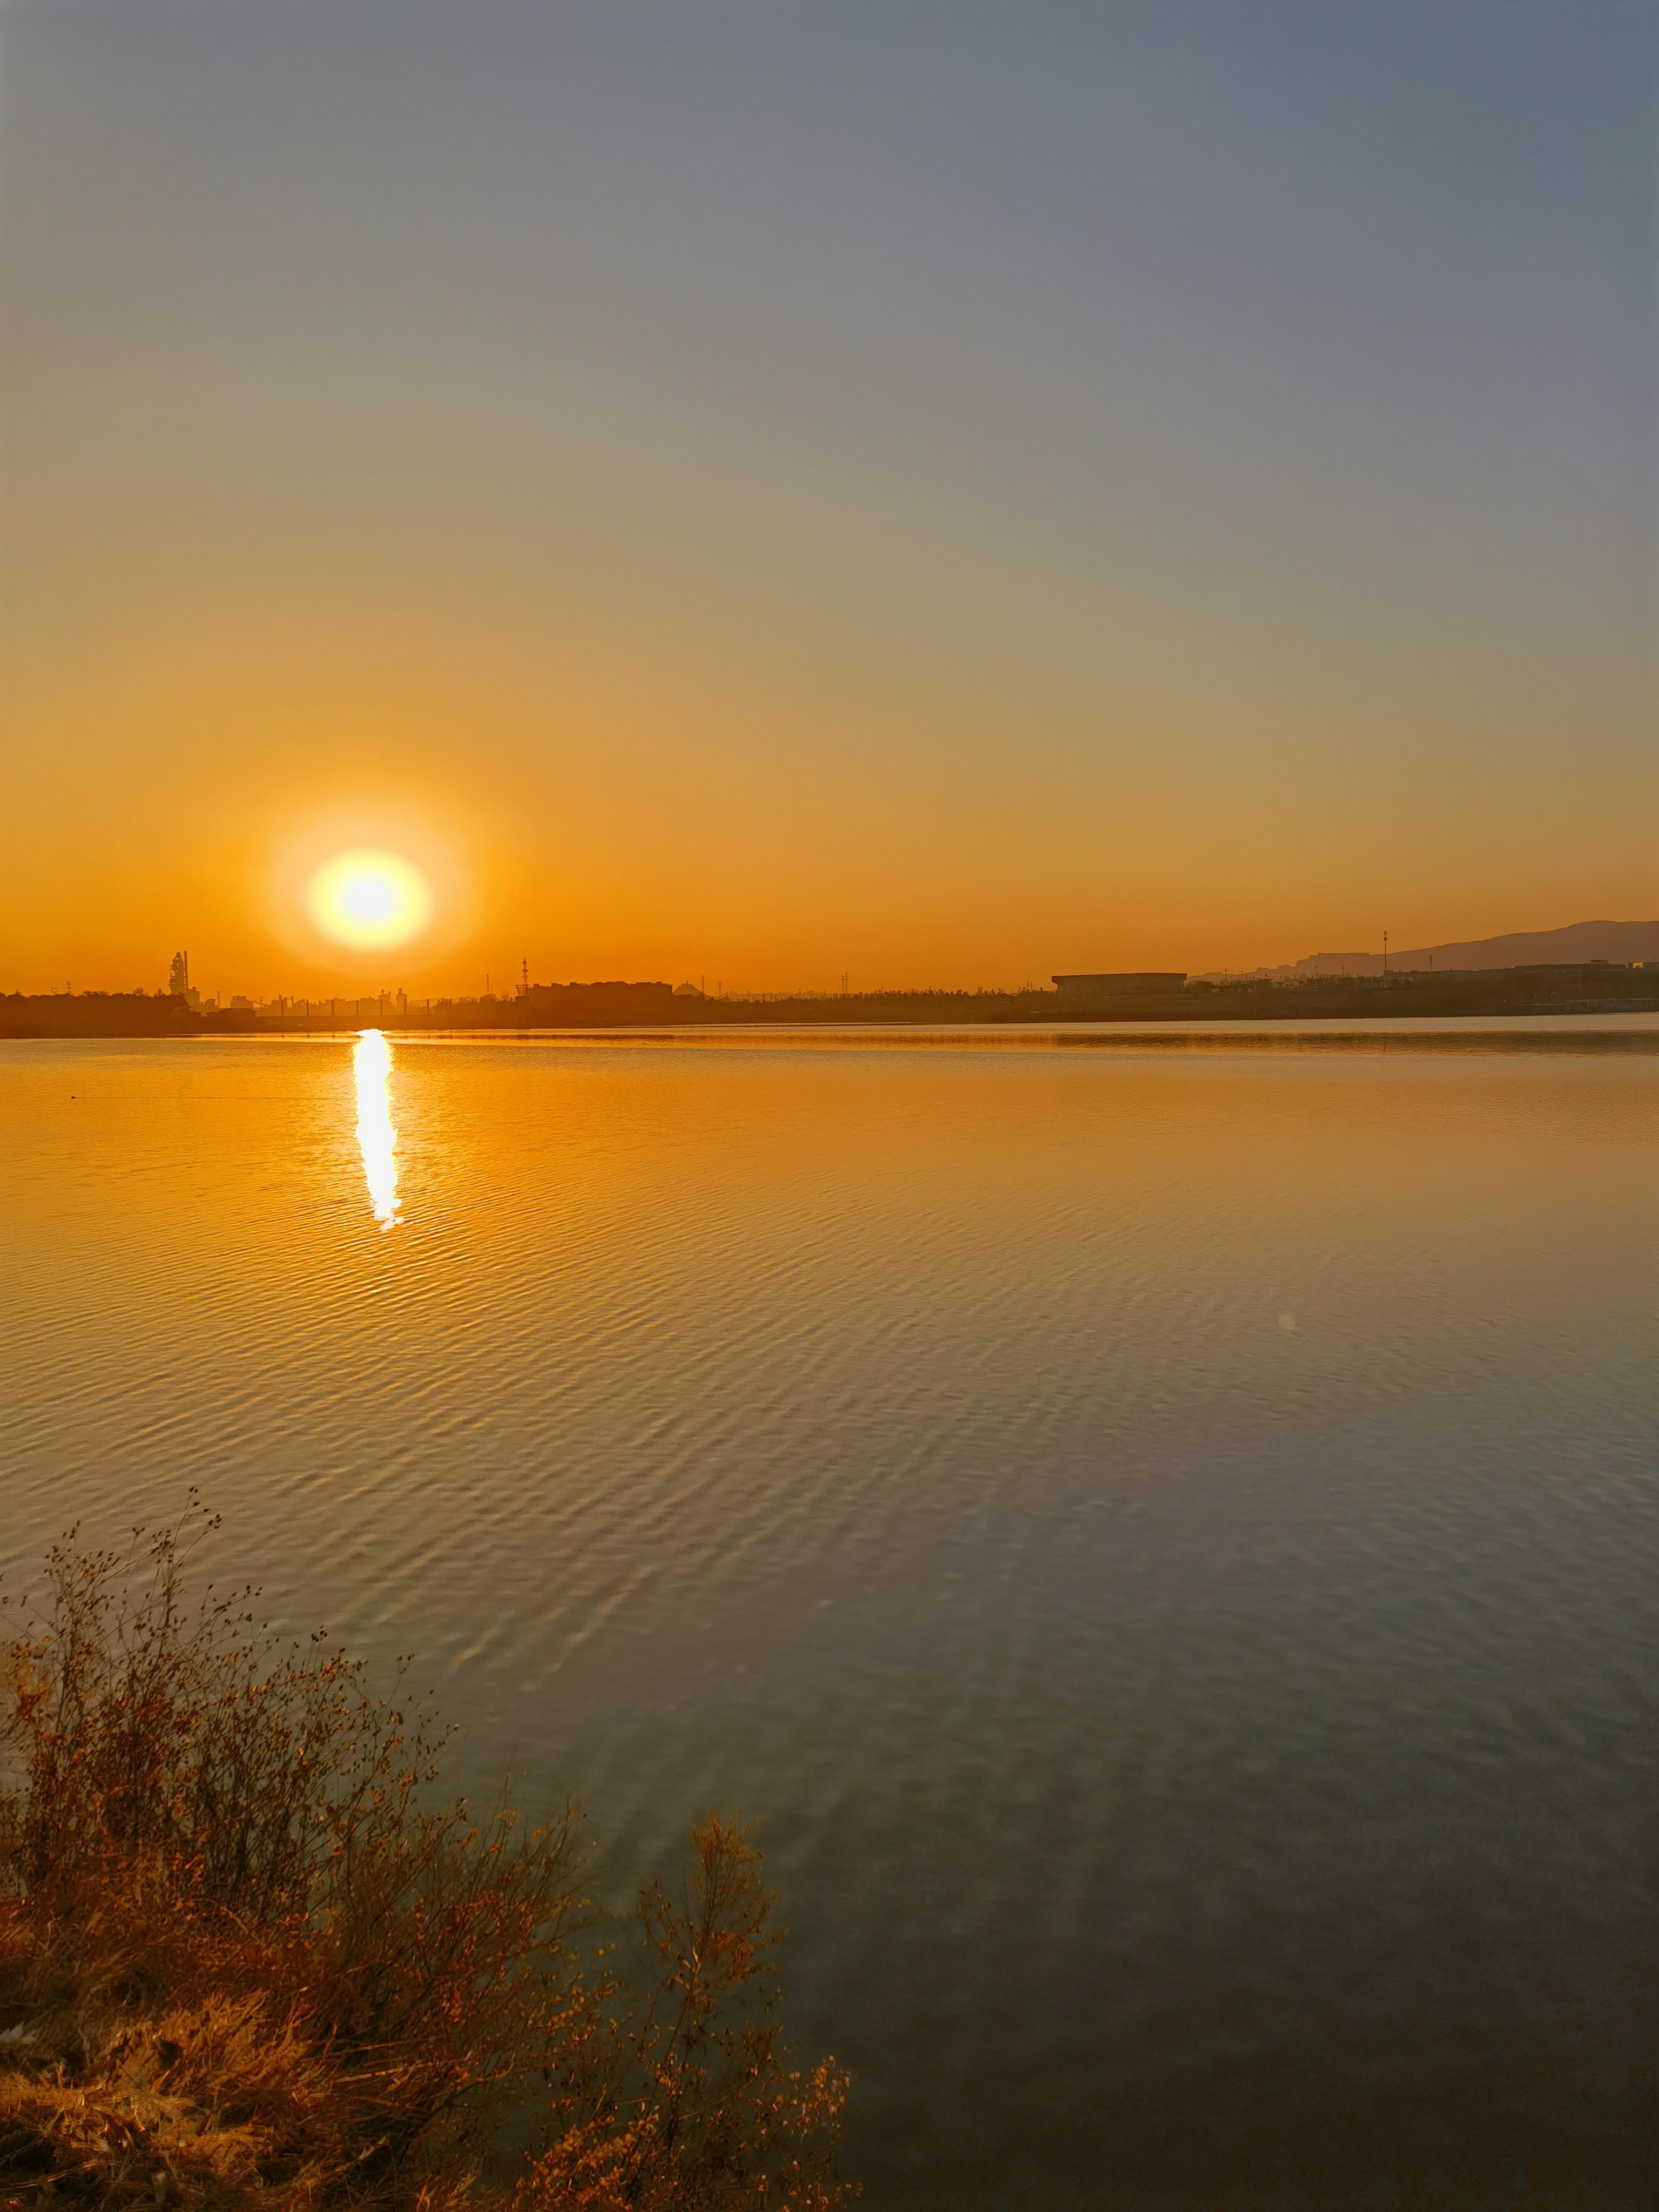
247	1958
695	2108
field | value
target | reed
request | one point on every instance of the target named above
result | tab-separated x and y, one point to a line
250	1956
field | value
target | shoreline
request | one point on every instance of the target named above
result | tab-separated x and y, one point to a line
116	1015
1637	1033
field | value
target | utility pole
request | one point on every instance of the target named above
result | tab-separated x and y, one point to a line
1385	952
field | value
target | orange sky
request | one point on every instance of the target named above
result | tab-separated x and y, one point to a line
774	502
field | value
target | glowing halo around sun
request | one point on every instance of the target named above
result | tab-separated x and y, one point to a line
372	881
367	898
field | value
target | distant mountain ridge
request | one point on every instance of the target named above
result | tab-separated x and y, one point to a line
1622	941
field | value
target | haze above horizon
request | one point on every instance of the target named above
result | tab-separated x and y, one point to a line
946	494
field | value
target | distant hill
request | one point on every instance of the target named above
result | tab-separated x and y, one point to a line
1580	940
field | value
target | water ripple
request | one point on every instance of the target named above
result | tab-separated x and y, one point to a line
1163	1536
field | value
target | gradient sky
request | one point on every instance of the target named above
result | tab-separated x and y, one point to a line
940	491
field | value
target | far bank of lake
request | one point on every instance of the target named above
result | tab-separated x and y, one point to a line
1511	994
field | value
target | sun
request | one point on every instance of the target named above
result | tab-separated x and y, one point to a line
367	898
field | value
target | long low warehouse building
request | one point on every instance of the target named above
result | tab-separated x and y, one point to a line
1145	981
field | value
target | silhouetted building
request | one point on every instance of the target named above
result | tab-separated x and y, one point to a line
1136	983
561	1005
179	983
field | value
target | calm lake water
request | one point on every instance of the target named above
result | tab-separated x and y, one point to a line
1164	1541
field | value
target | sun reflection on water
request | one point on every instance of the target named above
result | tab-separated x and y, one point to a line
372	1059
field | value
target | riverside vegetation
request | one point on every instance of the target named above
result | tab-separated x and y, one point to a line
249	1958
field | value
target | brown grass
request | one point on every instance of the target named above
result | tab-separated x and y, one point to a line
248	1958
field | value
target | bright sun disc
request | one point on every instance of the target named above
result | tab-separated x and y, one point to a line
367	898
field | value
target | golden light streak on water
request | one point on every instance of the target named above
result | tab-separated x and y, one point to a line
372	1059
